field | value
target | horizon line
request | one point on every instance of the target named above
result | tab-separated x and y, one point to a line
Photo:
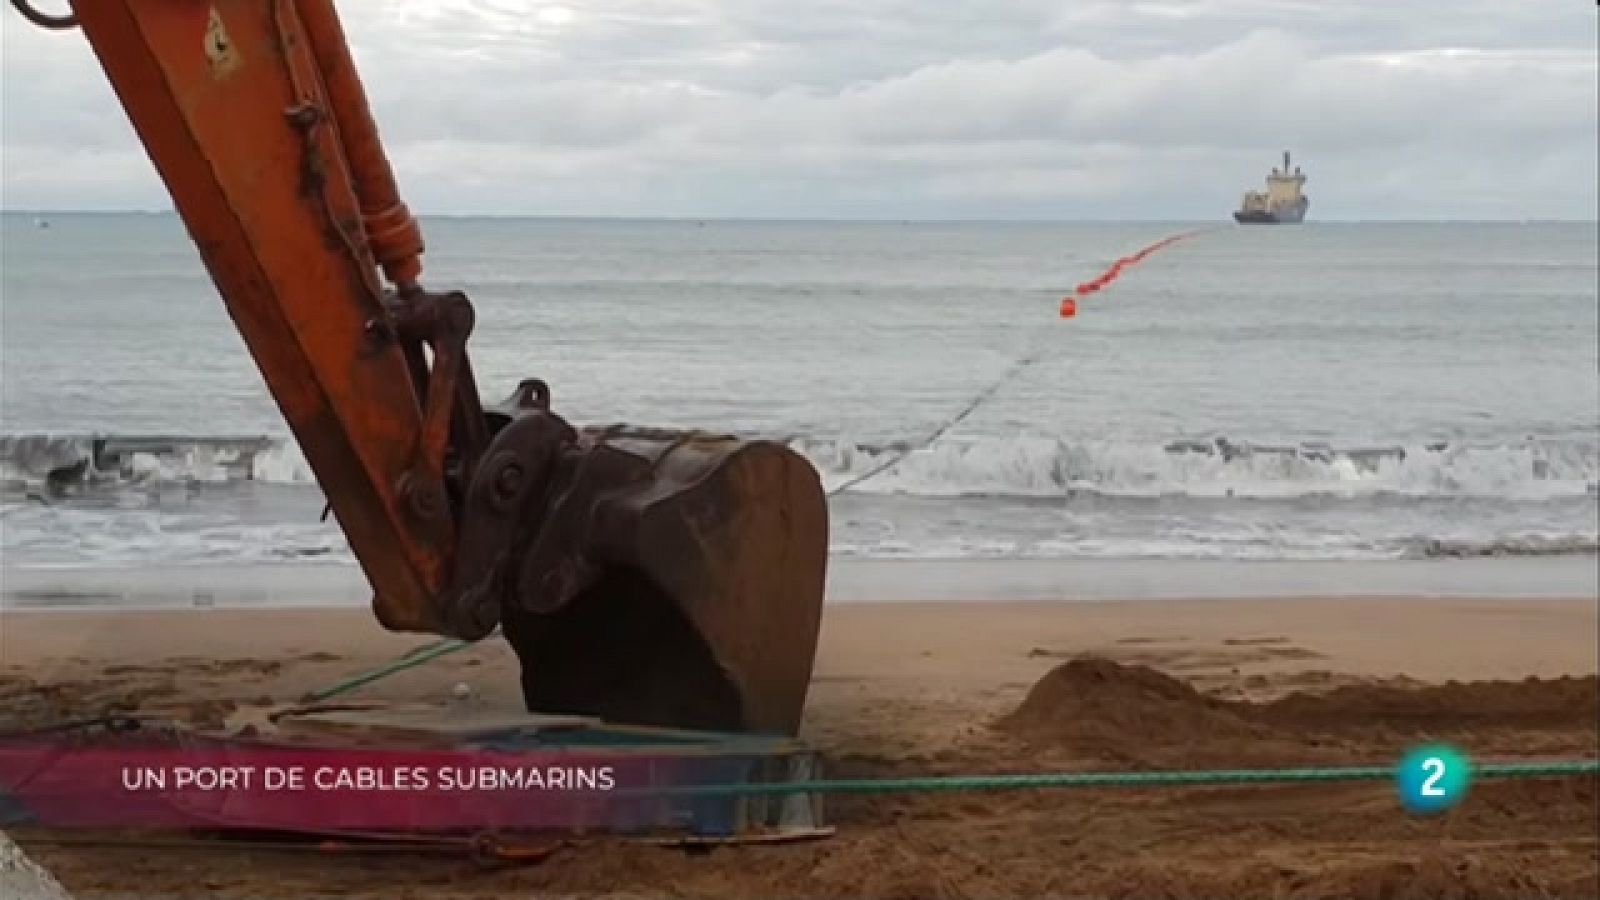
68	211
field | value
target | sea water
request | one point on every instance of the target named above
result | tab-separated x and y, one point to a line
1317	392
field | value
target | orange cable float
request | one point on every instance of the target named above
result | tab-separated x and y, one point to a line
1069	303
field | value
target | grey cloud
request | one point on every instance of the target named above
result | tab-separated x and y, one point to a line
1156	108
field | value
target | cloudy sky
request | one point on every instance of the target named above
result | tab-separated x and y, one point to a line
1420	109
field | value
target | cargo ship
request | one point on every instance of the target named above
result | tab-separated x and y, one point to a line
1282	201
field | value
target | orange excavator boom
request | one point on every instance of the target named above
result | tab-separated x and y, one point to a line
231	102
648	576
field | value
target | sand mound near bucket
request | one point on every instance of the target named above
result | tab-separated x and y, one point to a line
1094	708
1100	708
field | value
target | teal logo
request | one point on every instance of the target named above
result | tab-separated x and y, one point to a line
1432	778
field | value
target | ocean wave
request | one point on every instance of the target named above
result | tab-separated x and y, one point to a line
43	535
138	500
1525	545
1023	466
1042	466
45	463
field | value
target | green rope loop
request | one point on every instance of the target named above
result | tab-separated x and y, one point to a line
1524	770
412	659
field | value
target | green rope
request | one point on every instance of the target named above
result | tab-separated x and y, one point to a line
412	659
1555	769
931	784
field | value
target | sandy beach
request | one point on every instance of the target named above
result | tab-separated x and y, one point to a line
947	688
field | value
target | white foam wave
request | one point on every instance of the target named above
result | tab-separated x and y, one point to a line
1511	545
282	462
67	536
40	462
1039	466
1019	465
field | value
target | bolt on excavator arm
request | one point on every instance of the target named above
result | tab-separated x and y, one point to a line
657	577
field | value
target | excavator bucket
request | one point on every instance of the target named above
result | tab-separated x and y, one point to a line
699	595
650	577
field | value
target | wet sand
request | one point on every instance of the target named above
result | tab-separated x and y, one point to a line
853	580
962	688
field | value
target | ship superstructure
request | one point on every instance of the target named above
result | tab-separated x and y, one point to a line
1282	201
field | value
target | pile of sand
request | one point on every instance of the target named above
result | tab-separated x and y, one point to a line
1101	709
1098	709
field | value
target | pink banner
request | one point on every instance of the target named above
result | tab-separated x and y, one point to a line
328	790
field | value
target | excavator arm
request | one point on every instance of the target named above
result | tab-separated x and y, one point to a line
656	577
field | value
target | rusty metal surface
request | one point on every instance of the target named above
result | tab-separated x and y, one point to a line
736	534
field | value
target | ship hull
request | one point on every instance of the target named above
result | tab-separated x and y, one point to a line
1291	215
